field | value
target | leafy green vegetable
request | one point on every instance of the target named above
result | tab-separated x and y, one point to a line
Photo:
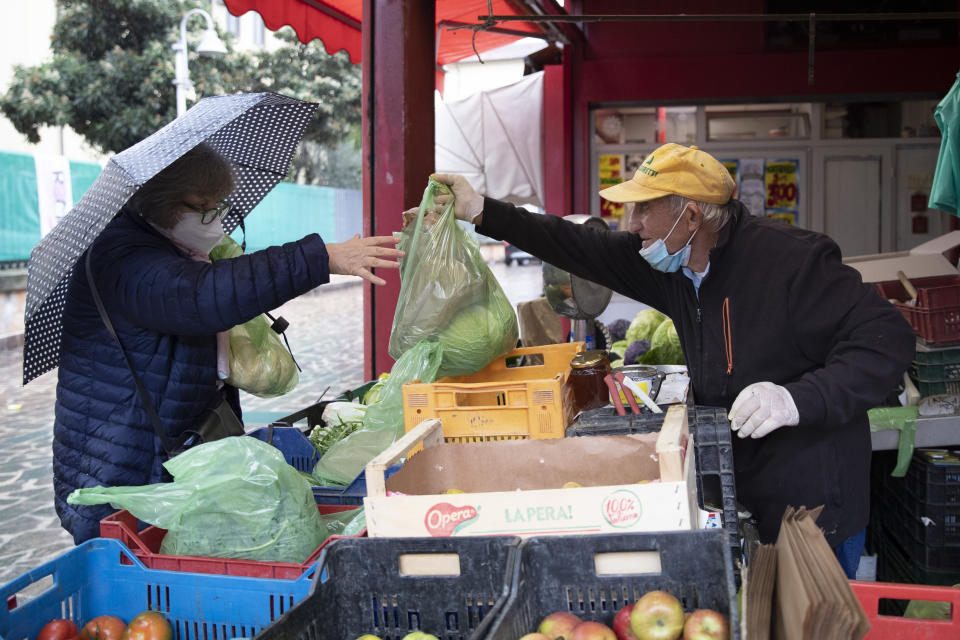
475	336
373	393
644	324
664	346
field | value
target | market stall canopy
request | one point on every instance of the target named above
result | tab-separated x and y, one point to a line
338	24
495	140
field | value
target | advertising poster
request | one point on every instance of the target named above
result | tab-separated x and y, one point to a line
54	191
753	191
782	190
611	173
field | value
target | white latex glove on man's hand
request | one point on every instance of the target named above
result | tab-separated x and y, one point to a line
761	408
469	203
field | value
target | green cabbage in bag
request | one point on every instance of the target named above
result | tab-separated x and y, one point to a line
259	362
232	498
448	293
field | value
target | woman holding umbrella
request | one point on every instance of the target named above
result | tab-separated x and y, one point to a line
169	308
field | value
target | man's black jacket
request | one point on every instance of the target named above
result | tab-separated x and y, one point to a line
797	317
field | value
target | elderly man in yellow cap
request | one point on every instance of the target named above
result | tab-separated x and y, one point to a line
773	327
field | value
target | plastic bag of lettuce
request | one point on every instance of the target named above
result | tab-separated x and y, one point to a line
233	498
259	363
449	294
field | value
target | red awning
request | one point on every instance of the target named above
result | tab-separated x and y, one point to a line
338	22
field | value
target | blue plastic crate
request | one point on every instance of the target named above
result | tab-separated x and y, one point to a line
102	577
295	447
353	494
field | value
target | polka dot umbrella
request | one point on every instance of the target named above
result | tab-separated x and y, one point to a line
258	132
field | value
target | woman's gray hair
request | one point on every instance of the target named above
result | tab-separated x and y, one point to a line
200	171
715	216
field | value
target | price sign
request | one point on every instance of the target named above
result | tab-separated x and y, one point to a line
780	178
611	173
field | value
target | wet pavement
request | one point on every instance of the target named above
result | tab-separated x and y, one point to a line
327	340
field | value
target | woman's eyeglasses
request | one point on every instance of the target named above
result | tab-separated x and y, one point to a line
209	215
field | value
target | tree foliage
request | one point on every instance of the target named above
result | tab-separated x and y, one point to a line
111	75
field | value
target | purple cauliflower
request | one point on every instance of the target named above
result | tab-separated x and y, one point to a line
635	351
618	329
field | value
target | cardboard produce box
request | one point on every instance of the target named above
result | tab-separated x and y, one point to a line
641	482
923	261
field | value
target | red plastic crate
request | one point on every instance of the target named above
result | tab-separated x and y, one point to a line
145	545
896	628
936	315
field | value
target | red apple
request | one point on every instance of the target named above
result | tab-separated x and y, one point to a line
657	616
535	636
621	624
706	624
592	631
559	625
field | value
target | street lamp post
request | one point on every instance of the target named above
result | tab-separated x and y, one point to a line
210	45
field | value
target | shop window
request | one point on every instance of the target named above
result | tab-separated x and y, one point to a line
758	122
645	125
908	119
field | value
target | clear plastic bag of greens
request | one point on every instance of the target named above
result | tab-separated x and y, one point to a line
259	362
345	523
449	294
232	498
382	420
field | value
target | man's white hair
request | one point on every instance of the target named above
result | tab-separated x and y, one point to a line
715	216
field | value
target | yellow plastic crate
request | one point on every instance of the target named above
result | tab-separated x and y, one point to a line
499	402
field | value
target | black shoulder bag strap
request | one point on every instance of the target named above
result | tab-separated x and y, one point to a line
171	448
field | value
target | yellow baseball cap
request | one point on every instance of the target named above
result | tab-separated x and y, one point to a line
675	169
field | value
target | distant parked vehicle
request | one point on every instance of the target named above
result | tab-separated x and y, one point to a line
512	253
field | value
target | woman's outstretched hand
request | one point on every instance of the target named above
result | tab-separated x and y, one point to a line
357	256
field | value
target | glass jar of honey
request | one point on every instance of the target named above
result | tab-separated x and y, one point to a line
587	371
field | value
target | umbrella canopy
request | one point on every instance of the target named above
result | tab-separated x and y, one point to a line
257	132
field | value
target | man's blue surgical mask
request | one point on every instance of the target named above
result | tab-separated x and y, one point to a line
661	259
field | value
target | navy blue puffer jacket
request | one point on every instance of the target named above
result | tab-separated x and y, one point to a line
166	309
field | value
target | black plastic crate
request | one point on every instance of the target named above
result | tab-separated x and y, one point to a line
560	573
933	478
312	415
362	588
893	564
931	524
713	453
933	546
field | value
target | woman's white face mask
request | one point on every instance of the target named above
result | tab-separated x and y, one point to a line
190	233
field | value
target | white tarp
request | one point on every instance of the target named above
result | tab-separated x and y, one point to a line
495	140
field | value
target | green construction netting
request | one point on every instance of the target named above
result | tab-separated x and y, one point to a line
289	212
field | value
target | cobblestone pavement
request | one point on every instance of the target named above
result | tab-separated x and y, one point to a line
326	336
